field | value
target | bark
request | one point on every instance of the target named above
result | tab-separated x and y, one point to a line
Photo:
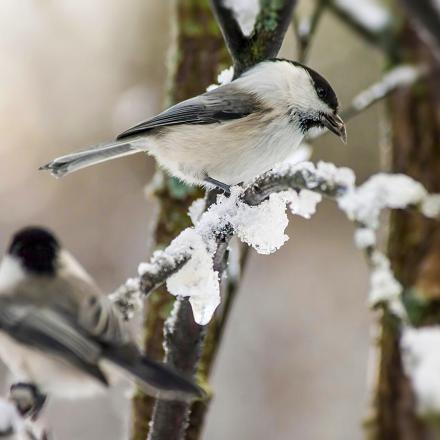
414	244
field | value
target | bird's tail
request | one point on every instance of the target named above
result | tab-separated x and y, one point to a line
100	153
159	379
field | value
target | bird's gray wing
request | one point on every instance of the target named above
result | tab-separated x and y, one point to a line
221	104
49	331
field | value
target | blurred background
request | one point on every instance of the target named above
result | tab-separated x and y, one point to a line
78	72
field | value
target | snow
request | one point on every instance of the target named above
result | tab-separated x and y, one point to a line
403	75
9	417
197	278
364	203
430	206
304	204
421	361
224	77
245	12
263	226
196	210
364	238
369	13
384	288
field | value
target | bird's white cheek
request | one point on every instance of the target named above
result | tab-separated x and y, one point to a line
11	273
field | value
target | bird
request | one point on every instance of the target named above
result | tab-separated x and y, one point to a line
231	134
61	336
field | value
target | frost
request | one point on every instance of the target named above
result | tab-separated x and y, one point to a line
380	191
364	238
421	360
224	77
384	288
370	13
399	76
245	12
430	206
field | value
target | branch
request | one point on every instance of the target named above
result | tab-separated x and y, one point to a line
267	37
371	20
400	76
306	29
426	15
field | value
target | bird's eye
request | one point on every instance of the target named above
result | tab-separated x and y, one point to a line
321	92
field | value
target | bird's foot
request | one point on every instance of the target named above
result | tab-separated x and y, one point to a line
28	399
220	185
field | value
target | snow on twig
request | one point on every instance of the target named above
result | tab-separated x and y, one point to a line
400	76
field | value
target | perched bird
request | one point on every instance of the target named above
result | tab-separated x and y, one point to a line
231	134
61	335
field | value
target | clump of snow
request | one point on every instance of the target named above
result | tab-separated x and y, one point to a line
128	298
380	191
384	288
196	210
245	12
224	77
332	174
421	360
263	226
197	278
364	238
399	76
370	13
430	206
305	202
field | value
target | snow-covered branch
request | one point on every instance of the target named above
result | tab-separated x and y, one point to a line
257	216
400	76
370	19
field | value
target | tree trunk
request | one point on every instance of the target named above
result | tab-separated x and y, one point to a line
414	244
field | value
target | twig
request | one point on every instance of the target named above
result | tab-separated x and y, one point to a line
264	42
374	25
305	29
426	15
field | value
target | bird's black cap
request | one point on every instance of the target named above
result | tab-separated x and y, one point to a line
37	249
323	89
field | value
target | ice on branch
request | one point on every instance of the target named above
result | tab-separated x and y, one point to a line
370	13
245	12
380	191
421	360
400	76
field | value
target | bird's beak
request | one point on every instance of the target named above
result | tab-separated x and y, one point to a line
336	125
